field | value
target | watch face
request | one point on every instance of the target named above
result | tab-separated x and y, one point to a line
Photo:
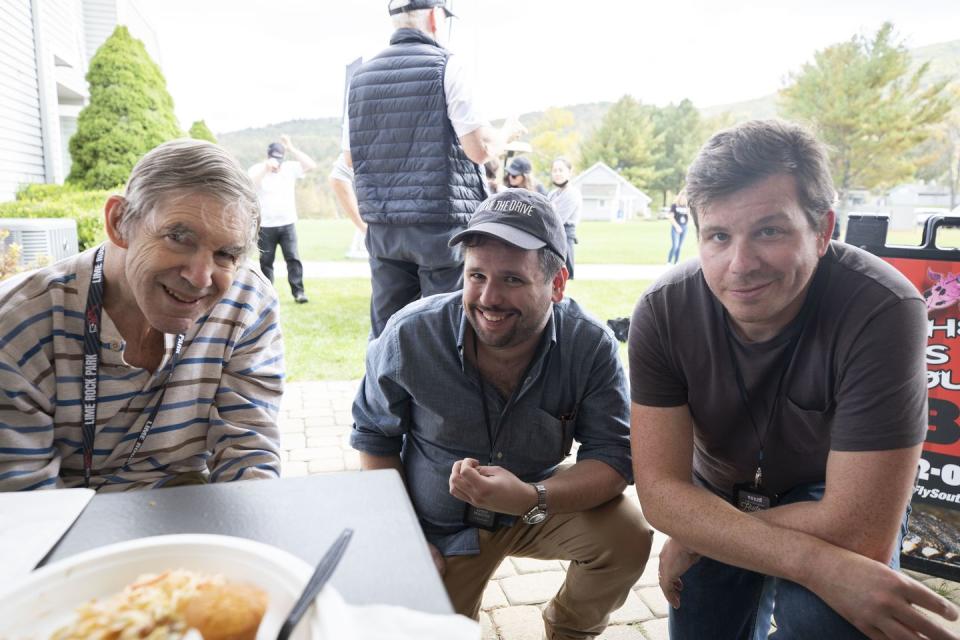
535	518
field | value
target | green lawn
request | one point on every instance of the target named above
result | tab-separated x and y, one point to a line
326	339
324	240
946	238
634	242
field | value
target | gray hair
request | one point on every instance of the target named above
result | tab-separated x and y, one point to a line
564	160
550	262
417	19
739	157
184	167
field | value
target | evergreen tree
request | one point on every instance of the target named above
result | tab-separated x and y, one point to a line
130	112
677	127
938	159
868	107
625	141
200	131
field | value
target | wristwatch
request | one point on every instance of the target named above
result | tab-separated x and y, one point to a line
537	514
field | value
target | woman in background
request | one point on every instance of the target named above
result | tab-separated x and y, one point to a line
679	219
567	202
519	175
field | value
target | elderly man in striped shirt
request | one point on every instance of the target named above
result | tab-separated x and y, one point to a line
155	358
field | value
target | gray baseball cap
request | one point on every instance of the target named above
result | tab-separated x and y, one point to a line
519	217
402	6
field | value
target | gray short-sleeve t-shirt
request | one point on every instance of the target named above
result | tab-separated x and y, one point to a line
856	380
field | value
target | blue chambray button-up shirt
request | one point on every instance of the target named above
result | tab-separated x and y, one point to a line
420	398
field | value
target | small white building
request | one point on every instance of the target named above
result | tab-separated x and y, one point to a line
45	48
609	196
906	205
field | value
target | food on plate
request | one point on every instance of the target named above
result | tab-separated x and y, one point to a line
167	606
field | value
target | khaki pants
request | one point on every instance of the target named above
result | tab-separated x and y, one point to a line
607	548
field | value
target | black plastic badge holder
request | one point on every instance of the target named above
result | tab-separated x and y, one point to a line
932	544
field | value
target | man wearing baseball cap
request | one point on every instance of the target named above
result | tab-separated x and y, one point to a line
476	397
415	140
275	180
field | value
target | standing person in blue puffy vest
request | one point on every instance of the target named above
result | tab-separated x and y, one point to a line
416	141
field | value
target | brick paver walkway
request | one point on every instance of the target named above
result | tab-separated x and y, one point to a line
315	430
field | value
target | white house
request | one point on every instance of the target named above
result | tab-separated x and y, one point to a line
608	196
45	47
906	204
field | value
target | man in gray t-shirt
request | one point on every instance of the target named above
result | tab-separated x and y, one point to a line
779	407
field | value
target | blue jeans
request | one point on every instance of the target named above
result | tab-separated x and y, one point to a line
728	603
676	241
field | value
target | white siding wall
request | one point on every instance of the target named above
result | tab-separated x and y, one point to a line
99	19
62	30
21	139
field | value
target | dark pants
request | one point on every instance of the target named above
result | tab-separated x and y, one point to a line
397	283
571	232
286	237
408	262
722	601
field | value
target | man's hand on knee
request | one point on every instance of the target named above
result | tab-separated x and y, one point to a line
881	602
675	559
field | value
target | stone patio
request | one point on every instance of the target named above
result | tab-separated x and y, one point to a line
315	427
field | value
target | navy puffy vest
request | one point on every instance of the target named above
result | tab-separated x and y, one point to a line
408	163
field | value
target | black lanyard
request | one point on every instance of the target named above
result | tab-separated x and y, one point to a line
91	370
810	302
491	437
785	362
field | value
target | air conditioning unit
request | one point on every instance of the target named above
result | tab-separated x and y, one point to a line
41	239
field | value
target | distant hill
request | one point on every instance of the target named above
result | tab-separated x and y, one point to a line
320	138
944	59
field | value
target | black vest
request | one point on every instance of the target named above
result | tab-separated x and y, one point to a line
407	160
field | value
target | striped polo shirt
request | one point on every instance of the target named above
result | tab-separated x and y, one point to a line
218	416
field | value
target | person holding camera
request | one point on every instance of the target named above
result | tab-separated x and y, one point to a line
275	179
779	408
476	397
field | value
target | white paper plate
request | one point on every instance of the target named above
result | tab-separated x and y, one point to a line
47	599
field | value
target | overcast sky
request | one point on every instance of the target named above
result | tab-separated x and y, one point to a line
239	63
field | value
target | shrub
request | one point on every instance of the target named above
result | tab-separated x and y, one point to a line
9	256
130	112
62	201
200	131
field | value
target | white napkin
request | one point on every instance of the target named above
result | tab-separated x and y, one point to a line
337	620
31	522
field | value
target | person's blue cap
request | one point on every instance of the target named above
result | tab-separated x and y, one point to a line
402	6
276	150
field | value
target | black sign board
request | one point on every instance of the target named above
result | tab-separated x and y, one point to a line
932	544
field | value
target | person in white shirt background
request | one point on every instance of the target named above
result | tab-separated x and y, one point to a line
275	179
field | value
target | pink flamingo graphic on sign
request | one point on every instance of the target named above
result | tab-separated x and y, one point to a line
945	291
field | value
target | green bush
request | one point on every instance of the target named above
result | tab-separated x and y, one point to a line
200	131
130	113
62	201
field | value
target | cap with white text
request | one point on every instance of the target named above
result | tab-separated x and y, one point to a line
519	217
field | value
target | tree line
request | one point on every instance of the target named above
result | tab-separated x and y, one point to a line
884	121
